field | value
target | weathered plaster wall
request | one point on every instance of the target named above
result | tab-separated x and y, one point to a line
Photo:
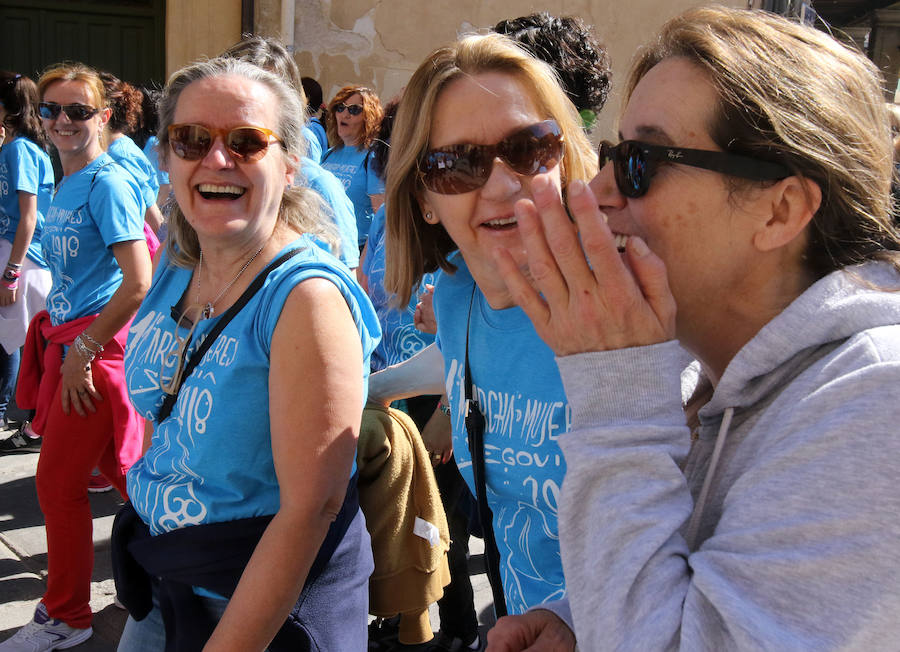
379	43
199	28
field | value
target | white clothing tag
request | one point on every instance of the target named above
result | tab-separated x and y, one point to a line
427	531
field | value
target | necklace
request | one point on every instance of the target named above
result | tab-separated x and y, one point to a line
209	308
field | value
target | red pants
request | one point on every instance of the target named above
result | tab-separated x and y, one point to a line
72	447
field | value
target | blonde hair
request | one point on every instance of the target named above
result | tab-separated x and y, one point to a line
74	71
301	210
77	71
414	246
792	94
269	54
372	113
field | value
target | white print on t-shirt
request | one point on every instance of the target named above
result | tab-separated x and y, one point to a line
61	231
525	467
175	503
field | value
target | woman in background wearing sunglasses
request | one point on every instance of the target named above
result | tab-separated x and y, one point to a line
746	217
93	241
478	120
26	183
354	116
251	474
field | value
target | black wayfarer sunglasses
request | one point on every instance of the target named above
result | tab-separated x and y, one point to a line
636	163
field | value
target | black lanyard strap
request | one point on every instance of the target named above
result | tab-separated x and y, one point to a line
169	401
475	423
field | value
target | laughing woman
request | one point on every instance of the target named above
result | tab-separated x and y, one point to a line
750	202
94	243
479	119
268	507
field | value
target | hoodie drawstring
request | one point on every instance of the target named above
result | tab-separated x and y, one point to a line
694	524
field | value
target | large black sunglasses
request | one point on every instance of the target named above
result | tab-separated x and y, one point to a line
75	112
462	168
352	109
637	162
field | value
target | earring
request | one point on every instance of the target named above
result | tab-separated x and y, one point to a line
429	217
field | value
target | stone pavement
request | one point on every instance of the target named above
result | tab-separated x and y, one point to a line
23	555
23	559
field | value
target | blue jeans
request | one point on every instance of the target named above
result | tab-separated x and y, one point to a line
9	371
149	634
332	608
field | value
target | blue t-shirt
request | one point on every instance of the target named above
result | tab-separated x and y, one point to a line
83	222
24	167
313	146
356	172
312	175
400	338
517	385
314	125
151	151
211	460
129	156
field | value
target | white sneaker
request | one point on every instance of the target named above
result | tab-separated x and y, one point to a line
45	633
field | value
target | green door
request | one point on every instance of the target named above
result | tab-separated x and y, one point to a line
124	37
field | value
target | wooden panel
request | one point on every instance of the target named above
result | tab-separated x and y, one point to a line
20	35
125	38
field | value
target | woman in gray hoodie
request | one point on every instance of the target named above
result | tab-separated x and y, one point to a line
750	500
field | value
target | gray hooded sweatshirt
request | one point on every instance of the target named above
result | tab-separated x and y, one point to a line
794	544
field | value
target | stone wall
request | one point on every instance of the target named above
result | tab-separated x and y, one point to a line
199	28
379	43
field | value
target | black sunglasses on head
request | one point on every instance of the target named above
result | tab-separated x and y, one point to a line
75	112
462	168
637	162
352	109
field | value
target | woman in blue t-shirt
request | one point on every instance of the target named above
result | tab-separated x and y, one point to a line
252	451
93	242
477	121
125	104
354	117
26	182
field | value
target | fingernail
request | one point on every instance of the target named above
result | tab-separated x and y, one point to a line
540	183
639	246
576	188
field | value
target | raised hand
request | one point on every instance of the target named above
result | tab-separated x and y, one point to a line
583	294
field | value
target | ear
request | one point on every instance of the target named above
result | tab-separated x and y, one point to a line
793	202
291	167
428	213
104	116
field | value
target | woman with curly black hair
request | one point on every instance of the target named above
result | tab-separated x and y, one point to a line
571	48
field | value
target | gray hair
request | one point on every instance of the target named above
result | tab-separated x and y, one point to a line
301	209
